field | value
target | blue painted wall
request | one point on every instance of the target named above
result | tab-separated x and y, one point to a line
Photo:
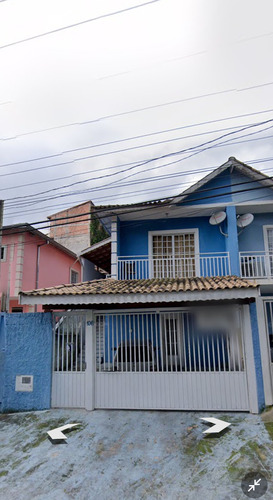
209	193
133	239
27	343
224	187
256	192
232	240
252	237
257	355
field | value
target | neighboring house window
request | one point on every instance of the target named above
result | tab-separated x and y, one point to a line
174	254
17	310
3	253
74	276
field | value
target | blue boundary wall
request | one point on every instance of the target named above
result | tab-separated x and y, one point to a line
25	349
257	355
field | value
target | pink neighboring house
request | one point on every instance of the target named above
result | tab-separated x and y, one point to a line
30	259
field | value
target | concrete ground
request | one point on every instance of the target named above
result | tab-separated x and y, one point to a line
132	455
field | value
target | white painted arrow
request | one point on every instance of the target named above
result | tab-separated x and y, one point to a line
219	425
58	434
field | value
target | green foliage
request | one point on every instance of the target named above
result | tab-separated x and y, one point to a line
97	231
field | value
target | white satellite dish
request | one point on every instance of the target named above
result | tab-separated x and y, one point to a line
217	218
245	220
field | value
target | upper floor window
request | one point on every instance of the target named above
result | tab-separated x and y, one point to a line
174	253
3	253
74	276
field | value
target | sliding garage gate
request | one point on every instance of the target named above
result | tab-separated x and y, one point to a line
152	360
170	360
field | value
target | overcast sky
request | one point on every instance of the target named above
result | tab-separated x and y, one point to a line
188	62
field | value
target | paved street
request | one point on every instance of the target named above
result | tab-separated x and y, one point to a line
132	455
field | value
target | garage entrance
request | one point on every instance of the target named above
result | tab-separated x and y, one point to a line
180	360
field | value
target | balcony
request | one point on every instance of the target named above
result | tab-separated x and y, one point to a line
257	265
145	267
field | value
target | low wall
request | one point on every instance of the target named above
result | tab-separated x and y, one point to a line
25	350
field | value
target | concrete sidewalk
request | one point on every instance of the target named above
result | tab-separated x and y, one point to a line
132	455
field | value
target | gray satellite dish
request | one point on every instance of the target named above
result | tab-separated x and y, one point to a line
244	220
217	218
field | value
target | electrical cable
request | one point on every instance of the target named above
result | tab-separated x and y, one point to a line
234	117
174	153
102	16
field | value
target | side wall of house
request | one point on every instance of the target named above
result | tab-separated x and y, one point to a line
26	342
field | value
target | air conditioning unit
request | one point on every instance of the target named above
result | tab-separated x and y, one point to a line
24	383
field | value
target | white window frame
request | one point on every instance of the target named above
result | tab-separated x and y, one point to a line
74	271
4	247
266	249
172	232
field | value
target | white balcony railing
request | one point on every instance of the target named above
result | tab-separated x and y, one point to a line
144	267
256	265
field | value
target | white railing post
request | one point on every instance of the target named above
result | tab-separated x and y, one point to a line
145	267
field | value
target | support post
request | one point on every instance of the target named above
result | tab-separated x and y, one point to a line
232	244
114	249
253	358
90	358
265	352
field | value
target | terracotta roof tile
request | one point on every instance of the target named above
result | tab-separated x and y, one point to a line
155	285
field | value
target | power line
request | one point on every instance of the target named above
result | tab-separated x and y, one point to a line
99	210
140	146
137	110
64	206
174	153
102	16
135	137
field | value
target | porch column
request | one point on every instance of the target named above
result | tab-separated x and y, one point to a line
265	352
253	358
232	245
90	359
114	249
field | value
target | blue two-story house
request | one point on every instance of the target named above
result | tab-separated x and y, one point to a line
184	318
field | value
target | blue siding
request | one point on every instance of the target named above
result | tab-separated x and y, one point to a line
27	343
257	355
134	234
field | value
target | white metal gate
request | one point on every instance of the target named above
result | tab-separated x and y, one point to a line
170	360
68	377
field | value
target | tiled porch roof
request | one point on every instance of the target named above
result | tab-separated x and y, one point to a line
149	286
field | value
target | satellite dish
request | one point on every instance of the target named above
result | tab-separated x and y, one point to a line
217	218
245	220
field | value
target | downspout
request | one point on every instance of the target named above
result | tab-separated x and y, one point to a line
38	267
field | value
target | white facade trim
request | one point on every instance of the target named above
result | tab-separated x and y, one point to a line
141	298
265	351
114	249
265	228
250	364
90	359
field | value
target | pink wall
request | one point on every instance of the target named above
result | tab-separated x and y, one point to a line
54	266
